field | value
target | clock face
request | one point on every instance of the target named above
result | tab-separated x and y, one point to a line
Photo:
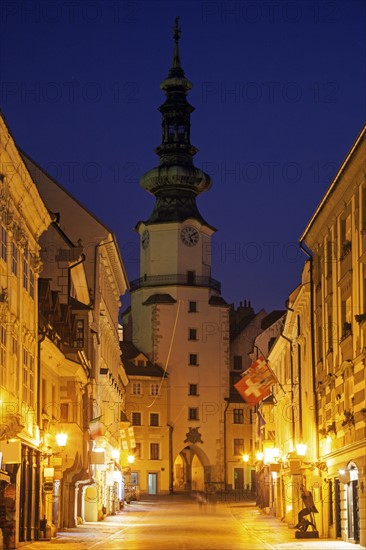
145	239
189	236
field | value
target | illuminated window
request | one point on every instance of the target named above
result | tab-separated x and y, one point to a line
238	446
238	362
154	451
193	413
154	389
28	377
136	388
238	416
134	477
154	419
25	268
137	451
79	334
136	419
31	283
64	412
4	239
14	263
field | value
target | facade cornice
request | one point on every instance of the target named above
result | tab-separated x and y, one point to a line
346	450
330	194
22	192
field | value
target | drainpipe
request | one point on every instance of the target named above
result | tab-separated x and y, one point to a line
171	466
42	333
292	387
299	365
225	465
316	411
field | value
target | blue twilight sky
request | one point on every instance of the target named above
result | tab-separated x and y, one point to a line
279	93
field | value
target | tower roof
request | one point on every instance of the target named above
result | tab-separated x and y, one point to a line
176	181
176	68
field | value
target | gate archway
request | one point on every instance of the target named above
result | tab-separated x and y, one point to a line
190	466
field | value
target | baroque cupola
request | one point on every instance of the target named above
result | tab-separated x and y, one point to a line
176	181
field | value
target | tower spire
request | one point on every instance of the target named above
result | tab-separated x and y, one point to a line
176	68
176	181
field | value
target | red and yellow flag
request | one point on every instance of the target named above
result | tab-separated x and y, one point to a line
255	384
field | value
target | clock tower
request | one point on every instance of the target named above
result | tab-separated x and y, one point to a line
179	319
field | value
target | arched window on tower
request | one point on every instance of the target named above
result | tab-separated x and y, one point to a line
171	132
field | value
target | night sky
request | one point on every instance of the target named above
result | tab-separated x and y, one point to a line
279	93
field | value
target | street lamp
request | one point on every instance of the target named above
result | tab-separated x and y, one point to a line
130	459
301	449
115	454
61	439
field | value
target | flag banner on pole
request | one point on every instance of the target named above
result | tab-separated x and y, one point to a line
96	427
255	384
261	423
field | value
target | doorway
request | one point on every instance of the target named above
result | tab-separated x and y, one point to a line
353	513
152	483
238	479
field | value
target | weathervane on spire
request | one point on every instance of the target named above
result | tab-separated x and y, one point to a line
176	29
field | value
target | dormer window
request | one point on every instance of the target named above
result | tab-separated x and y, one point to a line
79	334
140	363
154	389
136	388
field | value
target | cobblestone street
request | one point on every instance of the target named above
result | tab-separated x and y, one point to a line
177	522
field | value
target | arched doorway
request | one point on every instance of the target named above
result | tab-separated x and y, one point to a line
189	469
353	514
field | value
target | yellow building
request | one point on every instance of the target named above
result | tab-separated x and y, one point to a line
319	361
336	239
65	314
296	462
240	474
24	218
263	448
146	406
83	262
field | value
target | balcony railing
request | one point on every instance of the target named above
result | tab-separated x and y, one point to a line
176	280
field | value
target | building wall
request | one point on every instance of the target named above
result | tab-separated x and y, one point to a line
239	427
24	218
294	413
243	344
336	237
193	347
170	348
83	262
146	403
